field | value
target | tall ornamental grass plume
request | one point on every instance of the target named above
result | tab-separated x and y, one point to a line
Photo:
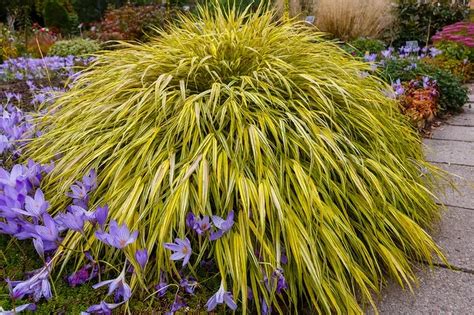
305	166
352	19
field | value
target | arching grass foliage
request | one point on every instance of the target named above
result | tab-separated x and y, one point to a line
241	112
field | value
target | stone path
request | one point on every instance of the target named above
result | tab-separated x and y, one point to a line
442	290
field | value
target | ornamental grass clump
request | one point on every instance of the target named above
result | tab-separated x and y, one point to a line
251	144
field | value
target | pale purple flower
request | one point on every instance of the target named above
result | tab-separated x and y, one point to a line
162	287
49	231
280	280
72	220
202	225
141	256
79	194
222	225
266	309
188	284
220	297
102	308
100	215
177	304
117	284
14	178
90	180
190	218
181	249
36	206
387	53
370	57
37	286
118	236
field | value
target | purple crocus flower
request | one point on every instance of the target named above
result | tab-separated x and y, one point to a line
39	246
280	280
36	206
162	287
102	308
387	53
222	225
37	286
370	57
181	249
79	194
188	284
190	218
118	236
398	87
117	284
141	256
49	231
90	180
100	215
14	178
220	297
177	304
266	309
72	220
202	225
81	276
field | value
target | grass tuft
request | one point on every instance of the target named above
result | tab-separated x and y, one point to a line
242	112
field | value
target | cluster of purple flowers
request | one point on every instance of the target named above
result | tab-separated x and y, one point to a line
24	215
202	225
424	82
32	68
15	126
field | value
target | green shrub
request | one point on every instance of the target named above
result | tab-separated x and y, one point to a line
361	46
74	47
453	94
456	51
60	15
89	10
368	45
263	117
420	20
463	69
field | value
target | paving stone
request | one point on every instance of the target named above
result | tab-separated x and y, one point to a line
463	178
449	151
440	291
455	236
471	98
447	132
466	118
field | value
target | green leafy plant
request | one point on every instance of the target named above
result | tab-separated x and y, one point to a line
453	95
243	112
456	51
463	69
420	20
60	16
363	46
74	47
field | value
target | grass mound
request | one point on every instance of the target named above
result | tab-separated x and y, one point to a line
239	112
